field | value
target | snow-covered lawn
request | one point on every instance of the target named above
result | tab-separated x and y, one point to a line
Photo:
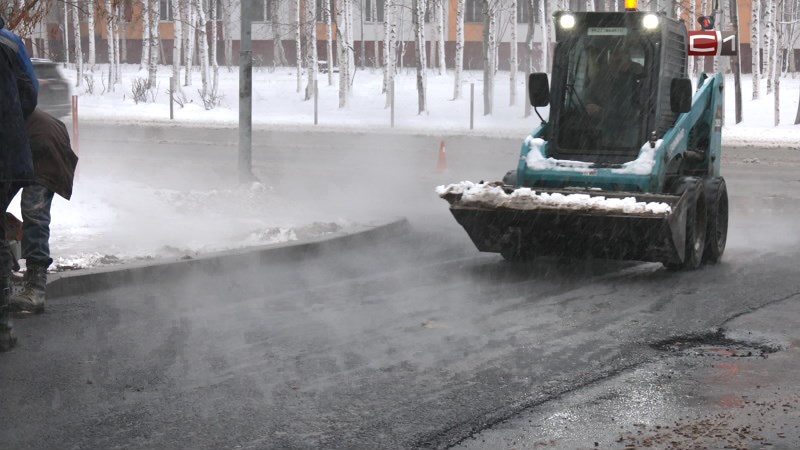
276	102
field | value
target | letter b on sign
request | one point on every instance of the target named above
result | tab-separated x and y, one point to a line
712	43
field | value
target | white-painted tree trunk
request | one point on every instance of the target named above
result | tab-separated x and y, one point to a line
459	62
145	34
76	37
90	11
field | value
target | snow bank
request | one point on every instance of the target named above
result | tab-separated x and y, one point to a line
644	163
486	195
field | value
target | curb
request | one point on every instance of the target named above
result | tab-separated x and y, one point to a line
85	281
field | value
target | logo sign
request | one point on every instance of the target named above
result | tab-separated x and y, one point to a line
607	31
712	43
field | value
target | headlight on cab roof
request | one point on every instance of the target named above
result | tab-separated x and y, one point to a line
567	21
650	21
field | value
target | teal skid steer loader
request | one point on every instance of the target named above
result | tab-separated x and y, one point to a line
628	164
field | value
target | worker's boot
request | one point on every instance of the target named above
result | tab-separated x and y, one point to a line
34	292
7	338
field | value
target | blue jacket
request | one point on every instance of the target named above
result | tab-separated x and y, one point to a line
22	53
16	98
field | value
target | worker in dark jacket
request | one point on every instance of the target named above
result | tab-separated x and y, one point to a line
17	101
54	165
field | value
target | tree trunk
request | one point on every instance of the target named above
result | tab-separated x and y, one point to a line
701	60
344	58
736	63
145	34
755	40
122	46
76	36
311	50
155	38
776	66
769	42
375	43
441	33
117	49
227	27
90	10
66	33
544	62
177	43
488	56
298	49
214	34
459	49
589	5
513	61
690	61
278	52
190	39
329	32
110	44
418	8
202	39
609	5
389	51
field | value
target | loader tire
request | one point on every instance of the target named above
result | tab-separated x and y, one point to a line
696	223
717	230
510	178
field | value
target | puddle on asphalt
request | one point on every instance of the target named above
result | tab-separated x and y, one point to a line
715	344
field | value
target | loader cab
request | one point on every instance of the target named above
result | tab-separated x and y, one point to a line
610	82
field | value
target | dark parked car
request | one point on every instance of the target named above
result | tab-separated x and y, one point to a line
54	91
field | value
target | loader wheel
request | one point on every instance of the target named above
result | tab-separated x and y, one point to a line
510	178
717	230
696	224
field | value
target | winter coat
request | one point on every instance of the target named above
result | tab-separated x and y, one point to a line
22	55
54	161
17	97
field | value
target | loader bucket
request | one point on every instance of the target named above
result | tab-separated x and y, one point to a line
512	228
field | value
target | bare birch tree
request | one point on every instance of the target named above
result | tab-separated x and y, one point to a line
311	50
513	61
122	47
755	48
489	46
769	42
374	20
202	50
117	33
145	34
389	52
543	21
298	49
278	52
329	33
700	61
155	39
442	36
776	66
189	33
76	37
90	11
418	8
214	40
66	33
178	11
459	61
345	48
227	32
110	44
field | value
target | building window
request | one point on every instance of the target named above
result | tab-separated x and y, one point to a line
259	11
524	11
473	11
165	10
368	10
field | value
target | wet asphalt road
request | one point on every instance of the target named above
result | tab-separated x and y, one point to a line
418	341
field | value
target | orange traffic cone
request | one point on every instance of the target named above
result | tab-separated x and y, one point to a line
441	163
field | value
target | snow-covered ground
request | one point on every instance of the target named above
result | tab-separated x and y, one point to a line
276	102
113	219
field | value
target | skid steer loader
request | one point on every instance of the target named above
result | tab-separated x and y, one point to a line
628	164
